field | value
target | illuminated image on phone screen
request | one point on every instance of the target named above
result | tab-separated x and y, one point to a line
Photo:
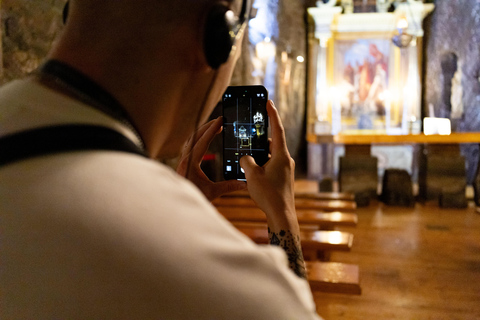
245	128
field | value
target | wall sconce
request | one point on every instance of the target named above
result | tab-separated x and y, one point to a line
403	38
265	49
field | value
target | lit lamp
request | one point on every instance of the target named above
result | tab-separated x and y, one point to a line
402	39
265	49
432	125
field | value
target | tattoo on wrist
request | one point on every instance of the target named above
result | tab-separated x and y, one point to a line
291	245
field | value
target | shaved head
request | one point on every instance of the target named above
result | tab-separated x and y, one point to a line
150	55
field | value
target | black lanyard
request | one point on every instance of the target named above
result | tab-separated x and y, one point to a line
67	138
87	91
61	139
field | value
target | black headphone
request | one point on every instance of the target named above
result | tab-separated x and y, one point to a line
221	30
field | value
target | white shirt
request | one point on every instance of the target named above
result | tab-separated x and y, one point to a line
112	235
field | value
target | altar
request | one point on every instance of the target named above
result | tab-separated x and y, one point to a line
364	77
364	97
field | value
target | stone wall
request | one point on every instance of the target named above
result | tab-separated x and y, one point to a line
291	77
29	27
452	69
284	76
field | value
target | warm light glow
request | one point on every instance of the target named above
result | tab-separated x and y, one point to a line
230	15
333	91
436	126
300	59
335	237
381	96
336	216
265	49
384	95
387	95
402	23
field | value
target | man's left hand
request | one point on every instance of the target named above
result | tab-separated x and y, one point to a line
203	138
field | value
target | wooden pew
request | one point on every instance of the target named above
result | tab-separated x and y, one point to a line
330	277
324	220
252	224
333	277
315	244
345	196
301	204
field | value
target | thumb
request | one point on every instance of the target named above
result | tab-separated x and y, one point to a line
250	167
247	163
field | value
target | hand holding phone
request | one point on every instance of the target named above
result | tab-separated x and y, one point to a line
272	189
245	128
272	186
192	155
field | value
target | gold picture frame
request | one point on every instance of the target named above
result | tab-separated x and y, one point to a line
360	82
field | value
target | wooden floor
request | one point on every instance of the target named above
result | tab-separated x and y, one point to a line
415	263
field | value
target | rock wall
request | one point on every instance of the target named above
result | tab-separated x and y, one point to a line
452	69
284	76
291	77
29	28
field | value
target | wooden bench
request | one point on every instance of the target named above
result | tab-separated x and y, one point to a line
252	224
316	245
300	203
324	220
333	277
345	196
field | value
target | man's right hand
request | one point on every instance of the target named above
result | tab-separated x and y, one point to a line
272	186
272	189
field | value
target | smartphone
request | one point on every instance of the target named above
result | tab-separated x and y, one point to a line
245	128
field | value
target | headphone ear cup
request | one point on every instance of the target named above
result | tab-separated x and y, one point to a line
218	41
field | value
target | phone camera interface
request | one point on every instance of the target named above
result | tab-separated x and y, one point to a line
245	131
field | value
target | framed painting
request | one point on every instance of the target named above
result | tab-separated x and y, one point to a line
362	83
361	79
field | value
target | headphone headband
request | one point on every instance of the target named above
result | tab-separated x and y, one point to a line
221	30
242	17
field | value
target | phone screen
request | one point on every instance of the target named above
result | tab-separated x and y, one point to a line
245	128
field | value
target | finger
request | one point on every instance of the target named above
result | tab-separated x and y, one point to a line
247	163
250	167
269	145
278	132
203	142
198	134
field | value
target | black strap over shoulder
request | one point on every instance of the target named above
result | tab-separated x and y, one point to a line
64	138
